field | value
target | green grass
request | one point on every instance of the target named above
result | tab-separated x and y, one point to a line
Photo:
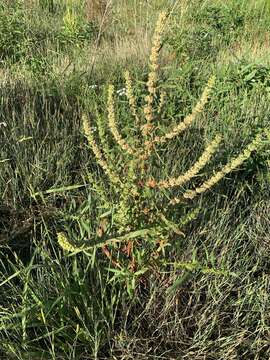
209	296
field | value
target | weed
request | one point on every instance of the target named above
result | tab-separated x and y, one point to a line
139	221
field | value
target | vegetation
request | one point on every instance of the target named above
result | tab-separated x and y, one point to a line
134	214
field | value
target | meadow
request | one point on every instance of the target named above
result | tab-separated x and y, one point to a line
135	179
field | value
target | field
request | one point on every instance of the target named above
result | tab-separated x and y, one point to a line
130	229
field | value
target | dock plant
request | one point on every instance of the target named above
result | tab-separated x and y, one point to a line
138	228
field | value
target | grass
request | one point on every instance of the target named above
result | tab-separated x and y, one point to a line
207	296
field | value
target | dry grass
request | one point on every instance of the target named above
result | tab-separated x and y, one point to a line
95	9
129	30
107	57
254	50
121	50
